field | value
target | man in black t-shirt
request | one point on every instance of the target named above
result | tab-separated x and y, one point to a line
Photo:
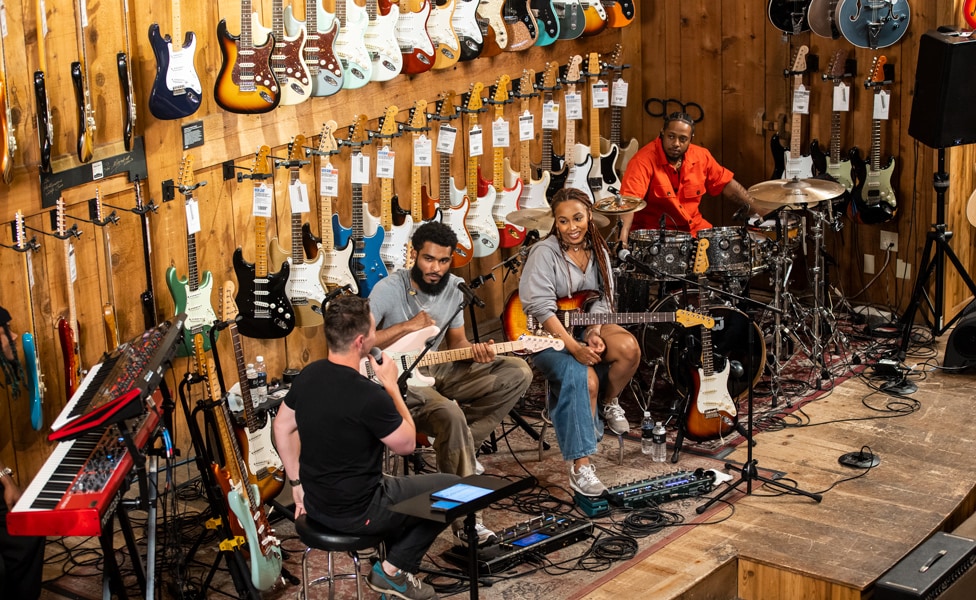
331	430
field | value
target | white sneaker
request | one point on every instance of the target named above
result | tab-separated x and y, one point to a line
479	469
485	536
615	417
585	481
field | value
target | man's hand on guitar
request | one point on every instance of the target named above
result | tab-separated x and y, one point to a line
484	352
420	320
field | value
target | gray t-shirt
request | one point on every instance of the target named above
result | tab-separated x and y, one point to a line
394	300
549	275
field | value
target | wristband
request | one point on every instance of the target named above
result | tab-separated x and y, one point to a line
294	482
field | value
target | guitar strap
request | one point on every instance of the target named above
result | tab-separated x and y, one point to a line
13	369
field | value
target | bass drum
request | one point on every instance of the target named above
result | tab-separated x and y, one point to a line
680	348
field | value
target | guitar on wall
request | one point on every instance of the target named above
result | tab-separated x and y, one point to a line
873	23
148	296
321	30
396	237
45	124
83	99
350	46
711	410
412	37
32	366
440	28
68	328
617	161
108	309
792	164
381	42
265	310
479	222
8	142
546	20
261	460
191	295
520	24
247	516
573	174
789	16
504	200
245	83
535	192
599	180
288	60
125	82
304	288
595	15
176	91
523	177
492	27
620	13
454	216
831	163
572	312
822	18
467	26
572	19
872	197
420	203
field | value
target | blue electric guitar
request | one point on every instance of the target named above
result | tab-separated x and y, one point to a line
547	21
872	23
176	92
32	367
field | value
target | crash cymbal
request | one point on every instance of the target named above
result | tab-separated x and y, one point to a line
618	205
793	193
541	219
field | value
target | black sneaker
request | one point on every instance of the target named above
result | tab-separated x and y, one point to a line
402	585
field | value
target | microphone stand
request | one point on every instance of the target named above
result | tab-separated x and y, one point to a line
511	263
431	343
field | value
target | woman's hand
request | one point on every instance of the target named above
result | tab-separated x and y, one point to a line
595	341
587	355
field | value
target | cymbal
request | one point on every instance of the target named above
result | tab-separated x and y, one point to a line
792	193
618	205
542	220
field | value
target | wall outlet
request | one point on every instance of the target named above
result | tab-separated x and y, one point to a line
903	270
889	240
868	264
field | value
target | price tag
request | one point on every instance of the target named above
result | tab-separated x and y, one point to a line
842	98
329	180
550	115
262	201
445	139
499	133
298	198
801	100
360	168
476	145
574	107
618	96
72	264
882	103
385	162
192	216
422	152
600	94
526	126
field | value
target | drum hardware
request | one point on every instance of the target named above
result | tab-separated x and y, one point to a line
793	193
618	205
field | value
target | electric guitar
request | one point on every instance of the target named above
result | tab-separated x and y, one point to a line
792	164
821	17
350	46
711	410
577	160
125	82
572	19
873	23
304	288
367	265
440	28
176	91
83	99
468	29
969	12
535	192
381	40
45	124
831	164
493	27
248	518
616	160
420	202
595	15
872	197
32	366
452	215
191	295
396	237
321	29
479	222
523	177
108	308
789	16
598	179
546	20
288	60
68	329
520	25
503	199
620	13
262	463
148	297
572	313
264	306
412	36
8	142
246	83
405	351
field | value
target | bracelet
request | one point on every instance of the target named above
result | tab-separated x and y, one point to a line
294	482
8	472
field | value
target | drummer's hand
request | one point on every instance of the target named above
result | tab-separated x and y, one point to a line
755	219
586	355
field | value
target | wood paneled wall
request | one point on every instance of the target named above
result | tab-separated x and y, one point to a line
724	56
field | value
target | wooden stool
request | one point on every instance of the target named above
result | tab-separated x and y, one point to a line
318	537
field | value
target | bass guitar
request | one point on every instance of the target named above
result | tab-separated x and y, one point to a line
264	306
321	29
45	124
68	328
789	16
479	222
572	19
546	20
381	42
873	197
452	215
412	36
191	295
288	60
572	312
247	516
873	23
467	26
792	164
32	366
520	25
831	163
176	91
246	83
83	100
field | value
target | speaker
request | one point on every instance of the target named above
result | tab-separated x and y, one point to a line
961	346
942	108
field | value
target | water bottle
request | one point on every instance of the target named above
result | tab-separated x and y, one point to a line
252	382
659	440
260	393
647	432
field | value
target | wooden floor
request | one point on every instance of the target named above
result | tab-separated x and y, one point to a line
791	547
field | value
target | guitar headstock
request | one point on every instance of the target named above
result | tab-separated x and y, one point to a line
501	90
526	85
573	70
616	57
228	307
688	318
358	134
475	103
418	115
877	76
537	343
701	257
296	148
593	67
186	175
446	110
97	206
838	64
262	166
800	60
550	77
20	233
60	224
199	356
140	205
327	141
389	124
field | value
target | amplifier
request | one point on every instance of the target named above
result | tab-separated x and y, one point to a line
929	570
649	492
539	535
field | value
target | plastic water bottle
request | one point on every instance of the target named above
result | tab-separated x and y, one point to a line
659	440
252	382
647	432
260	393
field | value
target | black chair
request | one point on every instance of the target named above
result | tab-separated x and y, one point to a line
318	537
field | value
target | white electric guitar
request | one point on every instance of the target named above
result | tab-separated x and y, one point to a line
381	41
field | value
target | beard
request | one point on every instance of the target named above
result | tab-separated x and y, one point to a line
431	289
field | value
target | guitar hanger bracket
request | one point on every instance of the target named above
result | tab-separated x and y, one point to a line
112	217
169	190
812	64
288	164
70	232
30	245
186	189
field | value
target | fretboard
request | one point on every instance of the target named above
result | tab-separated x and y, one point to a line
574	319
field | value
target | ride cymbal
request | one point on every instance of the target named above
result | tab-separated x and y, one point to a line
792	193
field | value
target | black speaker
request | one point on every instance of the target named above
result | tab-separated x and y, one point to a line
942	108
961	346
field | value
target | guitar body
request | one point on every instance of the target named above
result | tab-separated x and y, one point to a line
467	28
579	174
45	125
520	25
176	91
620	13
303	288
366	264
820	18
6	147
479	222
70	357
35	388
507	201
711	411
261	458
872	197
244	96
839	171
857	21
200	315
623	156
572	19
396	243
270	318
779	156
440	28
336	269
493	27
515	322
546	21
350	47
86	137
324	68
455	218
288	64
265	561
596	17
603	173
800	167
415	43
381	42
533	194
789	16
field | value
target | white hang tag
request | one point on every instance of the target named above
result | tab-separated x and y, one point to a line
550	115
842	98
192	216
445	139
476	145
801	100
298	198
574	107
526	127
262	201
329	180
600	94
385	163
618	95
499	133
72	263
360	168
422	152
882	103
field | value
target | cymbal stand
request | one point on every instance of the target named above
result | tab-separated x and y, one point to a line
819	346
783	267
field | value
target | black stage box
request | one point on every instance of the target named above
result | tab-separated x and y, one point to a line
930	570
942	114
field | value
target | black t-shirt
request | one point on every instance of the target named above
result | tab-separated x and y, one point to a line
341	416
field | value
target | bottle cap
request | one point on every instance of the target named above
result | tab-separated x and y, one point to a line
658	424
250	365
647	413
258	359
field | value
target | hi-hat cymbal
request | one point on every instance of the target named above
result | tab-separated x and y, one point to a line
793	193
618	205
541	219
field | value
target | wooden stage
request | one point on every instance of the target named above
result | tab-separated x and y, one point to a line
789	547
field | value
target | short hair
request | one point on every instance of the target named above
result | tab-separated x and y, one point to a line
436	232
682	117
345	318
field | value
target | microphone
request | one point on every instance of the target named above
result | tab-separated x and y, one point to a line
377	355
624	255
470	295
660	228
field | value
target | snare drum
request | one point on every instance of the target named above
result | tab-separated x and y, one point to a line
729	250
667	251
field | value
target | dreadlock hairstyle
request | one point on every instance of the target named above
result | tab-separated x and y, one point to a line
593	236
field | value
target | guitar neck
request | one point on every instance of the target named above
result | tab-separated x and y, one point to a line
416	197
297	251
574	319
446	356
796	123
876	145
250	416
444	185
261	247
570	133
616	117
594	127
177	26
546	164
70	286
835	137
245	42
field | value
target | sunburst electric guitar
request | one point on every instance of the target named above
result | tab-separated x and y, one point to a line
246	83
